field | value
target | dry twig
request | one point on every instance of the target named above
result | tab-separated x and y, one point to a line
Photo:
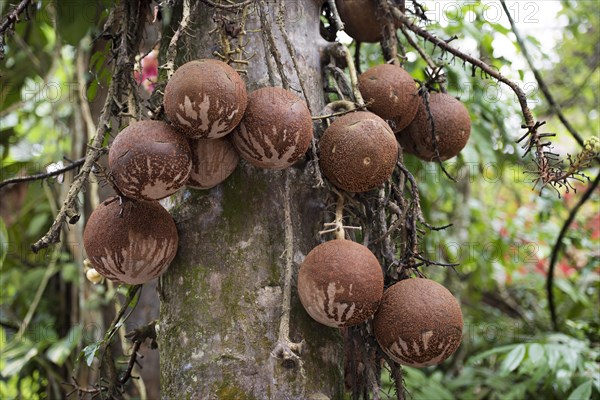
9	22
43	175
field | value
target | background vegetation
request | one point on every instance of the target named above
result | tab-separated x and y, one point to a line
503	232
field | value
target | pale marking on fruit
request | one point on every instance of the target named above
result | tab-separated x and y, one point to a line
157	189
426	337
188	112
220	126
367	161
199	114
341	308
143	254
399	347
416	350
324	310
260	152
439	358
400	351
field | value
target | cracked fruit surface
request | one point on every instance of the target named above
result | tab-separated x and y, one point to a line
205	99
340	283
419	323
149	160
131	243
358	152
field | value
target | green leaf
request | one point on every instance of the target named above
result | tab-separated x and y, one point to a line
582	392
553	352
70	272
60	351
517	392
499	28
495	350
74	23
37	224
415	377
92	90
570	358
3	242
566	287
513	359
434	391
536	353
563	379
16	359
89	352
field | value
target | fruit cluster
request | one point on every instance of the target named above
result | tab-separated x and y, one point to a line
213	121
358	151
417	322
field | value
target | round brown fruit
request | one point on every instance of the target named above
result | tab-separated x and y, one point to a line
340	283
360	20
149	160
419	323
205	99
391	93
358	152
276	129
452	129
213	160
130	243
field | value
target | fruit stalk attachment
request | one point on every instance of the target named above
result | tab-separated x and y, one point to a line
337	226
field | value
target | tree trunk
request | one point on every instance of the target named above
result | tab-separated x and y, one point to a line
223	297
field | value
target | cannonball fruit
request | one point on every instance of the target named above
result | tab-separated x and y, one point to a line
340	283
276	129
360	20
213	160
419	323
391	93
149	160
452	129
130	243
358	152
205	99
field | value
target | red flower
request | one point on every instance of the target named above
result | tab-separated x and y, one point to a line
149	75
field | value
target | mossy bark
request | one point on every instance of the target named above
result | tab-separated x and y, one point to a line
221	299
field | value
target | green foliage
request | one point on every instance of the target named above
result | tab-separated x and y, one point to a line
555	367
39	343
575	78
